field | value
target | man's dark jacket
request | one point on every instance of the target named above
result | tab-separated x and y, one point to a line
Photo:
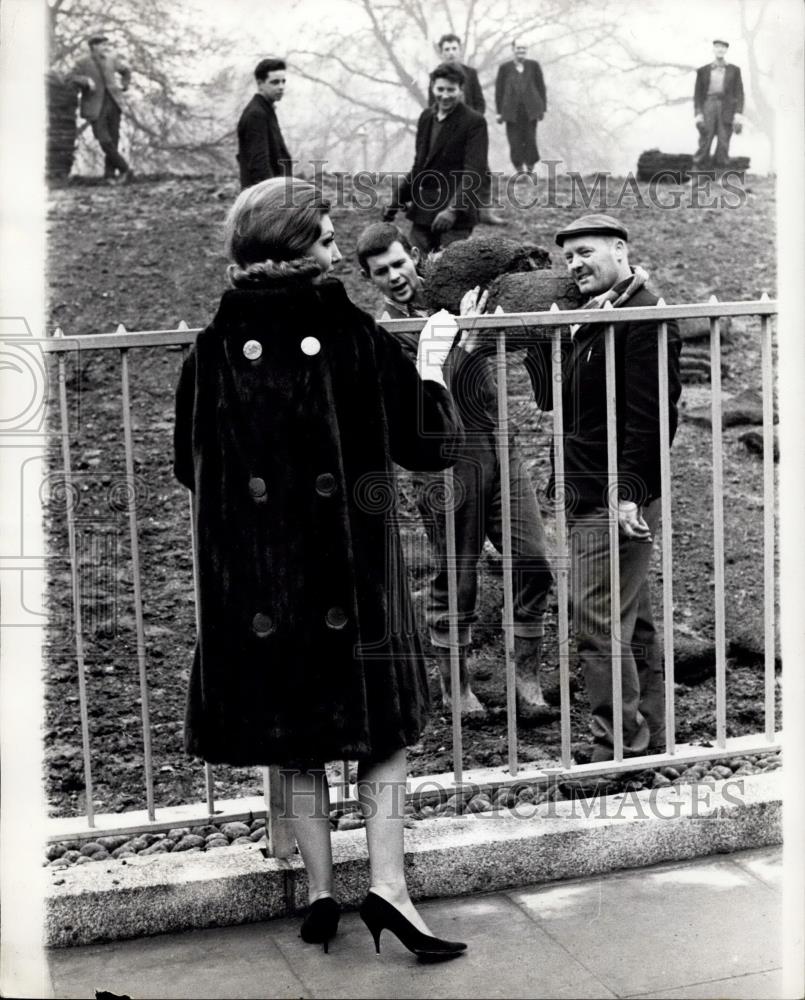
262	152
450	175
473	92
585	410
507	95
732	100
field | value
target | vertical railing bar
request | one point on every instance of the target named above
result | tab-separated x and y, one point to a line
768	522
72	548
614	543
508	588
138	600
667	535
562	551
718	530
209	787
452	610
345	778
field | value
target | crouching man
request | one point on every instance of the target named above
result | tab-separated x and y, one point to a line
387	259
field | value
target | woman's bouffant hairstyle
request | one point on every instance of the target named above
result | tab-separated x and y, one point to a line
269	231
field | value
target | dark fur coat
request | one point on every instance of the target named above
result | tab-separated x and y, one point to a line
306	648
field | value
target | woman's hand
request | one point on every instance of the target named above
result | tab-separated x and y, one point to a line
473	303
435	341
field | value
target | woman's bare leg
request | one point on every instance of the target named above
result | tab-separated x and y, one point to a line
307	799
381	792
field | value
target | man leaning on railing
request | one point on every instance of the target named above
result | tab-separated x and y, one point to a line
596	252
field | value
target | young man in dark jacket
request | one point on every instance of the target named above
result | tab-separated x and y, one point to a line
262	152
389	262
443	186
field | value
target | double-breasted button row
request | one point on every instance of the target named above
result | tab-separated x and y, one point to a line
253	349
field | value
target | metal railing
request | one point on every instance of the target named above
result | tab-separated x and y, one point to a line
539	324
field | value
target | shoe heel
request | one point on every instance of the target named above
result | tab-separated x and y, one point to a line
374	930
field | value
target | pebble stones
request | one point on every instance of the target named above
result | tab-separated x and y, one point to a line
208	837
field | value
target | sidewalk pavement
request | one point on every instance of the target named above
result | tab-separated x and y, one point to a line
703	928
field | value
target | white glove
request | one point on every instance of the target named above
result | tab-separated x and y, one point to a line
435	342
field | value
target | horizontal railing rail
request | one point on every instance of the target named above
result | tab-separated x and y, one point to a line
540	325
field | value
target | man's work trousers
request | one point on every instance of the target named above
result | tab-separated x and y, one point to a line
522	136
642	685
478	512
714	126
106	129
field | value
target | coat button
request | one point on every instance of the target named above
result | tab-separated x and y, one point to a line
310	346
335	618
262	625
326	485
252	349
257	487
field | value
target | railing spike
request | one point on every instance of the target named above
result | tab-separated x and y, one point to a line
182	325
58	332
498	311
608	305
660	301
554	308
121	328
764	297
713	298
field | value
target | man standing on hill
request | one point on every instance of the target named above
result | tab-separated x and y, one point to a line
96	75
718	103
442	189
262	152
473	96
521	102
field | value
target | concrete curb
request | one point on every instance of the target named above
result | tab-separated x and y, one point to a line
483	852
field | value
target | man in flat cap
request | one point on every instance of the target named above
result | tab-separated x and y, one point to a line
596	252
718	103
101	99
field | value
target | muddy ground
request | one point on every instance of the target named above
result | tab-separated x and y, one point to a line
148	256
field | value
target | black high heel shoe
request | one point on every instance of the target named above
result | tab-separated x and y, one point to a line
379	915
321	922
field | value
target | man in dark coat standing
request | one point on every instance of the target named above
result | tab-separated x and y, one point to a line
596	253
521	101
262	152
443	186
473	95
718	103
101	98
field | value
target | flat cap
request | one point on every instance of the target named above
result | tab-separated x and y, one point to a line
720	41
598	225
95	37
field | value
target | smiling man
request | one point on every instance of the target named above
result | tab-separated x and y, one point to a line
442	188
596	252
262	152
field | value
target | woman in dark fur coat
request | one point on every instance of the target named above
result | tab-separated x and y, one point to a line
290	410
